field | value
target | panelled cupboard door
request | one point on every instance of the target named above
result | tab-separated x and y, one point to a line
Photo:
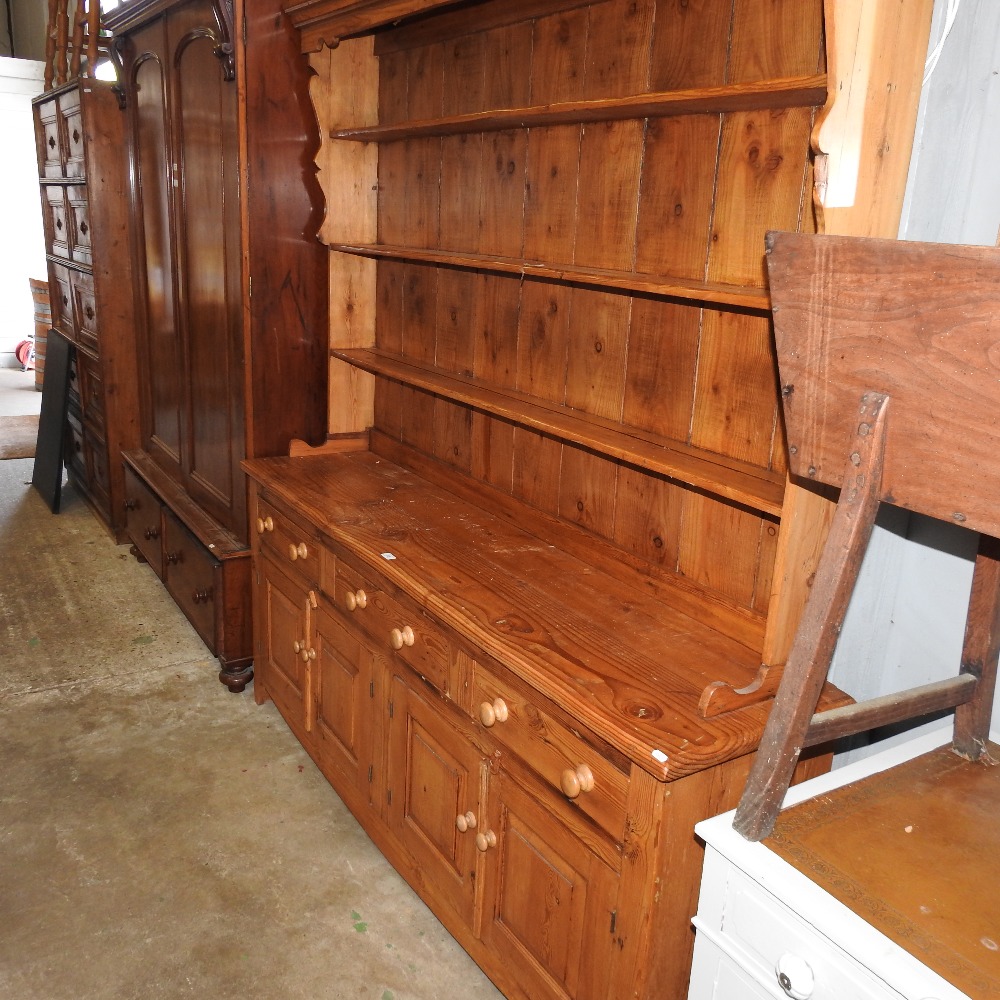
283	633
435	781
549	912
344	692
182	103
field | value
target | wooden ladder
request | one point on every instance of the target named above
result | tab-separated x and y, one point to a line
889	361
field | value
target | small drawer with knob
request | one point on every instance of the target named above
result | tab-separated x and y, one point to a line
394	623
293	546
570	765
191	576
61	299
144	521
78	211
72	134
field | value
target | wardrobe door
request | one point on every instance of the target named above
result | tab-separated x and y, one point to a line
159	341
206	214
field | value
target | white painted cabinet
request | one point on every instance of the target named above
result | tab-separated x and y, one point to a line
765	930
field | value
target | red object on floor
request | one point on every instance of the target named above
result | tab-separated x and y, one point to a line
23	354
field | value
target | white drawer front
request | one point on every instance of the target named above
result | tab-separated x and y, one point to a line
784	950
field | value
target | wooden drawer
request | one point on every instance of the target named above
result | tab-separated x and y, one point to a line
293	546
394	624
191	574
57	220
78	212
73	384
50	141
84	308
75	456
143	520
560	757
91	388
98	478
61	299
73	163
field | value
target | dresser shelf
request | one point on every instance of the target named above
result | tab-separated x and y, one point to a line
794	92
745	297
740	482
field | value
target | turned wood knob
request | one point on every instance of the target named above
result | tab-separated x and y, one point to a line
486	839
171	558
580	779
398	638
264	524
202	596
298	646
83	228
129	504
467	821
307	654
492	713
150	533
297	551
355	599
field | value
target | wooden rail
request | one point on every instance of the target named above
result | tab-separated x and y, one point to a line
71	38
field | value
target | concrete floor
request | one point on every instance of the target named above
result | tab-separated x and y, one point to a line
159	836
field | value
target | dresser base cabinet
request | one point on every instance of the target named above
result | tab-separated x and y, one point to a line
204	568
490	730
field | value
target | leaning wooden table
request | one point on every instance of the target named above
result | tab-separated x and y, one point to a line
877	882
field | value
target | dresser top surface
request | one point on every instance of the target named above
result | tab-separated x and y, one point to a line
620	660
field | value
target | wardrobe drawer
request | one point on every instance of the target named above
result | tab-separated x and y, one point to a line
558	755
143	520
396	624
292	545
190	573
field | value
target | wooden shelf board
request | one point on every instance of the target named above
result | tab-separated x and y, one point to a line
740	296
733	480
794	92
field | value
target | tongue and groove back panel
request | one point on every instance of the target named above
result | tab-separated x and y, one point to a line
589	263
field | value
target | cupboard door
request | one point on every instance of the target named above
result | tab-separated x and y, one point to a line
436	779
549	907
280	668
344	705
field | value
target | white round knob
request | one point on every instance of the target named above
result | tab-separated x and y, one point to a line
795	976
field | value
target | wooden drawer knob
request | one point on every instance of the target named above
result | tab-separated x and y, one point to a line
299	551
202	596
129	504
492	713
355	599
173	558
298	646
573	782
150	533
486	839
467	821
398	638
264	524
307	654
